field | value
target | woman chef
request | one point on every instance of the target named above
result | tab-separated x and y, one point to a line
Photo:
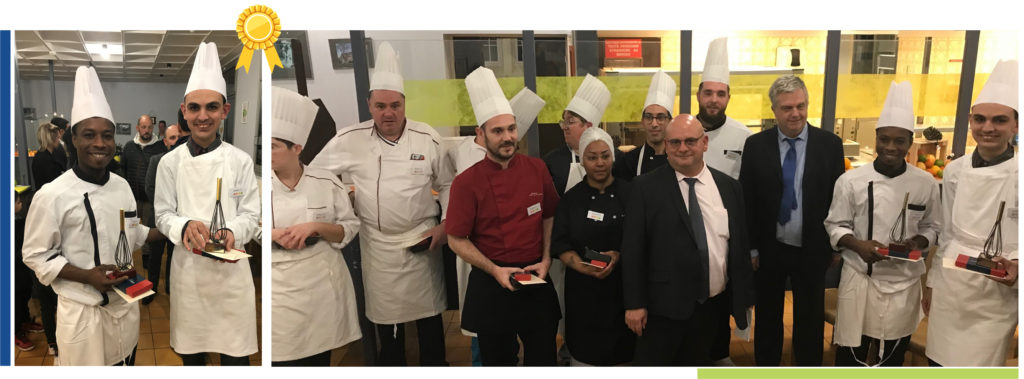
972	317
590	217
314	305
878	298
72	233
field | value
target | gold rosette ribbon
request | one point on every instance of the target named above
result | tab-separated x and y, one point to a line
258	27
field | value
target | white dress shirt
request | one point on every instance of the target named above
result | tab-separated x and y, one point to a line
716	226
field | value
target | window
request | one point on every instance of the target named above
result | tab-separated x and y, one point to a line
491	50
519	49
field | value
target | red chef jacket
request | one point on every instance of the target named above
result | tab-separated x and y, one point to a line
502	211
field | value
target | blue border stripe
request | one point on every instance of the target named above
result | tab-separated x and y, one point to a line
6	214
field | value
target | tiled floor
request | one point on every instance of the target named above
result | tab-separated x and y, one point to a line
458	346
154	333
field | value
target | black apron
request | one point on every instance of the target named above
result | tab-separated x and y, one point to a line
490	308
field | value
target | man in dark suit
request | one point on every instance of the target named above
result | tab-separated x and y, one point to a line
788	174
685	253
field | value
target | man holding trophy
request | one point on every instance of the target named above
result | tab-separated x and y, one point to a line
207	203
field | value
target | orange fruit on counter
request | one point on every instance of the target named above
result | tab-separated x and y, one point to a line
847	163
929	161
920	165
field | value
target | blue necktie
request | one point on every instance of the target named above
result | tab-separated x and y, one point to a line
788	188
697	220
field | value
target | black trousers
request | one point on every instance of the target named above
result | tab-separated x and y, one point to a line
807	276
22	294
893	354
48	307
129	360
668	342
199	359
723	336
502	350
156	252
319	360
430	333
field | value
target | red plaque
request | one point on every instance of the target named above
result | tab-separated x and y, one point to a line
623	49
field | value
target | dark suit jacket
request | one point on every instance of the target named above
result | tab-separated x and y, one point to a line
761	176
660	261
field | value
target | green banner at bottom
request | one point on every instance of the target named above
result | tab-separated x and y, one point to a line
857	373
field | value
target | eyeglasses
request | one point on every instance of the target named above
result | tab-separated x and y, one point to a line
565	124
690	142
662	118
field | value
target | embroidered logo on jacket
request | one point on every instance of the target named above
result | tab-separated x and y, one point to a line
416	157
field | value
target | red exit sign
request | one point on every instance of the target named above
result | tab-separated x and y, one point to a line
623	48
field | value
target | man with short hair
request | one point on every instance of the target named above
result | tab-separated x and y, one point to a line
788	175
655	117
685	262
163	128
156	248
134	164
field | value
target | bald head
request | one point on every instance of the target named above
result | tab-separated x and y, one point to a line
171	135
145	128
686	144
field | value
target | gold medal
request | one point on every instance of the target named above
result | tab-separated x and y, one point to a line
258	27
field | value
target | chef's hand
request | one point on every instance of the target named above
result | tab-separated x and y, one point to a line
636	320
755	262
97	278
302	231
228	236
440	237
288	240
196	235
926	301
868	251
541	268
585	269
611	265
502	274
1011	271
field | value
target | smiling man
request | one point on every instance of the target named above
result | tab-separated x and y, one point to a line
880	303
71	235
657	113
214	304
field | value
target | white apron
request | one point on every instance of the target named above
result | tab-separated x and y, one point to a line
401	286
88	334
313	299
973	318
213	309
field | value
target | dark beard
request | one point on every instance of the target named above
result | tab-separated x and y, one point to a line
497	151
713	122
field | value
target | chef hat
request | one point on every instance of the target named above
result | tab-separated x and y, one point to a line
716	65
898	110
89	100
387	74
596	134
591	100
206	71
1001	87
486	96
662	92
526	105
292	115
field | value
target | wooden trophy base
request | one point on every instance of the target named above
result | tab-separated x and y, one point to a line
135	286
896	250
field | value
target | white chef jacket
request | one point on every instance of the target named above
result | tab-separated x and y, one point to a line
213	309
461	157
396	207
866	204
716	226
725	147
972	318
313	299
60	231
393	191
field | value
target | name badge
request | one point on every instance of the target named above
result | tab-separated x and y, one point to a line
915	216
321	216
1012	212
132	222
237	192
533	209
595	216
417	171
732	154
